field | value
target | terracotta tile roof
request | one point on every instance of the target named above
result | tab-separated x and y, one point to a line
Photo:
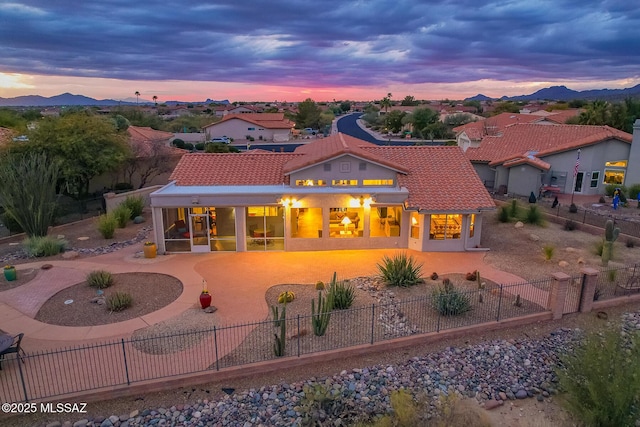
146	142
540	140
334	146
231	169
494	125
440	179
529	160
561	116
265	120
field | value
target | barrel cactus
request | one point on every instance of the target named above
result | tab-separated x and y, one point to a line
611	233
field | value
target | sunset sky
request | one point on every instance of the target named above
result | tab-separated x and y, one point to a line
289	50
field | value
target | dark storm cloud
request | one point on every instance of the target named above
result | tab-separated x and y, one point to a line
293	42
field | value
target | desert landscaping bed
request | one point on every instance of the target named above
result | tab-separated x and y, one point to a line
150	292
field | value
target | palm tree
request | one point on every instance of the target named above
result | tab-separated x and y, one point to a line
155	100
385	103
137	97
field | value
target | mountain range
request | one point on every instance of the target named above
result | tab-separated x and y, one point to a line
68	99
556	93
563	93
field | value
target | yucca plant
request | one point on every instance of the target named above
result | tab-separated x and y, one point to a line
503	214
119	301
401	270
449	301
548	250
99	279
343	294
534	216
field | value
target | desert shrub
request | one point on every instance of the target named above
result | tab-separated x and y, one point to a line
401	270
286	297
434	276
570	225
598	247
37	246
199	146
10	223
633	191
344	294
188	146
454	411
119	301
503	214
122	214
449	301
320	402
548	250
178	143
601	379
136	204
534	216
629	243
405	412
610	188
514	208
471	276
573	208
319	285
107	225
99	279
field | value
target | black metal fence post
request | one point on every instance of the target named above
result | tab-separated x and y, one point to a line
584	217
298	335
373	321
126	365
215	344
499	304
24	385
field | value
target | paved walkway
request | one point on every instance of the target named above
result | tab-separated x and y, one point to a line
237	282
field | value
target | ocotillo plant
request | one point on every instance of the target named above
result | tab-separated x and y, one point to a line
610	236
320	318
278	346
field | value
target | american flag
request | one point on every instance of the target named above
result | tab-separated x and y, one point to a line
575	169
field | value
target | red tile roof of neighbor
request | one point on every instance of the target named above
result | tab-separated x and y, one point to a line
265	120
146	142
522	140
493	125
438	178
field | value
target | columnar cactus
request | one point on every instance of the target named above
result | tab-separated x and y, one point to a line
320	318
611	233
279	344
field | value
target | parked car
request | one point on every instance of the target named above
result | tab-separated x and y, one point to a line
222	140
310	131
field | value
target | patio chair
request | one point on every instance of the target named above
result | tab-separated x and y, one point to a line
14	348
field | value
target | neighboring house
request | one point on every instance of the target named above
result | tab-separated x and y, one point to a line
335	193
231	109
260	126
525	158
152	161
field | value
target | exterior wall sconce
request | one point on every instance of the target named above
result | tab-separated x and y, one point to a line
289	202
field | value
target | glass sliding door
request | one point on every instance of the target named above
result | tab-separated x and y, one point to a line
265	228
199	232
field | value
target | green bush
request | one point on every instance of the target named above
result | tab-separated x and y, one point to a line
548	250
503	214
514	208
344	294
449	301
122	214
634	189
36	246
99	279
119	301
107	225
601	379
610	188
178	143
200	146
534	216
598	247
11	223
570	225
400	270
135	204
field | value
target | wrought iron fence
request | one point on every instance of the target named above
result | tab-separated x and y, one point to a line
55	373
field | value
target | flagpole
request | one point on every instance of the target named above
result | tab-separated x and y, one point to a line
575	176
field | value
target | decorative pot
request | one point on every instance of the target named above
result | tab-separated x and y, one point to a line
205	299
10	274
150	251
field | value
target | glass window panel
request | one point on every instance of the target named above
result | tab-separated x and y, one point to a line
306	223
472	224
415	225
384	221
617	164
346	222
377	182
615	177
595	178
344	182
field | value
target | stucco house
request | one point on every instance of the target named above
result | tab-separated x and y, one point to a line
260	126
530	157
338	192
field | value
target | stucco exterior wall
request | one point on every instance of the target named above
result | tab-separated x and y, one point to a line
486	174
633	170
239	130
524	179
345	167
